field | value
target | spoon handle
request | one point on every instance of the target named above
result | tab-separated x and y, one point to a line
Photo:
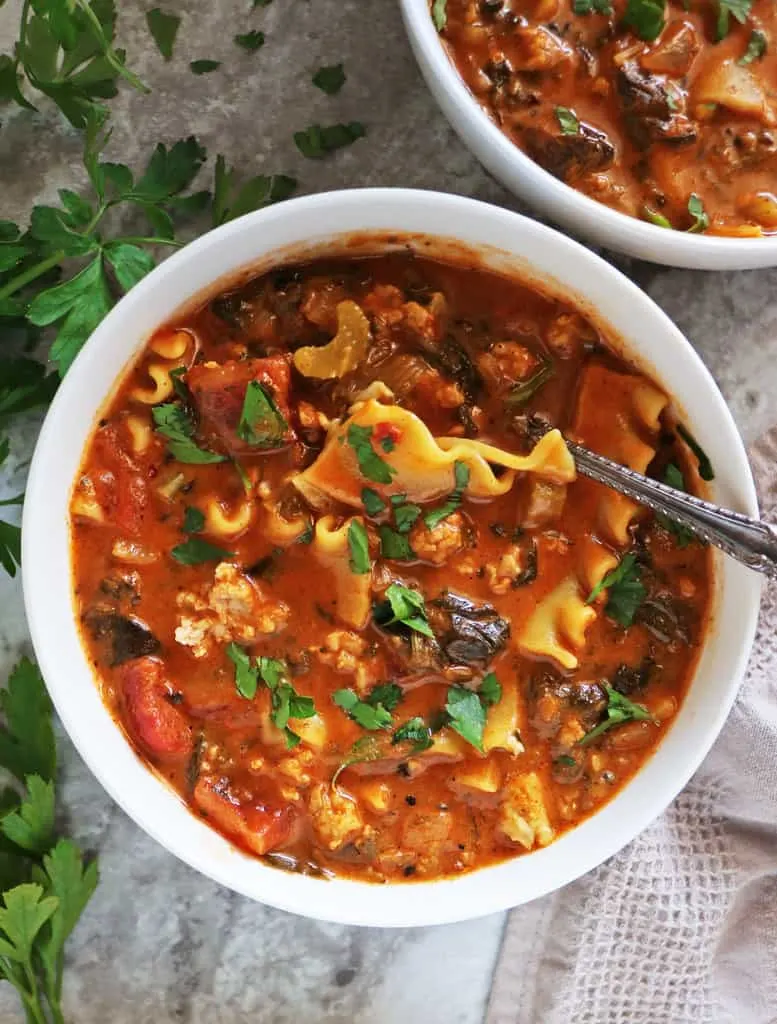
750	541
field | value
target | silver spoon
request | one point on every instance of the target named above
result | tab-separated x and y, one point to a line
748	540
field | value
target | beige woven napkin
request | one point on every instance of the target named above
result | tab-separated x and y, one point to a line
681	926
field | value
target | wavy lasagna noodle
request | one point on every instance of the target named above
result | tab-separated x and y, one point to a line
339	594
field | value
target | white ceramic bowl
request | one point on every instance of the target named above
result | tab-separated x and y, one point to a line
562	204
437	224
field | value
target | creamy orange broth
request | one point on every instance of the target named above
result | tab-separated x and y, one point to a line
456	346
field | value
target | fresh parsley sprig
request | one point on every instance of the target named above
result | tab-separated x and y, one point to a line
65	51
48	882
620	710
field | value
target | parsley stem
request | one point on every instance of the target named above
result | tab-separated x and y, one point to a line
108	52
142	240
31	274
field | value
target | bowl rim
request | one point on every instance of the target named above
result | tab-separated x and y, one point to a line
562	203
144	796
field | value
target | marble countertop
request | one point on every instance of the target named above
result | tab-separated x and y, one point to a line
159	943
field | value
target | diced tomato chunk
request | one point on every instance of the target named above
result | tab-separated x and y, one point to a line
121	488
261	820
387	431
158	725
219	393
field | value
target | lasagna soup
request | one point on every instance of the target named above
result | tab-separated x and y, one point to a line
342	588
662	109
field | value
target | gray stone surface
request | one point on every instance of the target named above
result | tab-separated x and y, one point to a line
160	944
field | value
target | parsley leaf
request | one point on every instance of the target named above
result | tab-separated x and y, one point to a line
461	479
193	520
567	120
286	702
387	694
619	711
174	423
404	607
250	41
646	17
440	14
592	7
701	220
10	547
656	218
318	140
394	545
370	716
130	263
673	477
467	716
727	9
706	472
31	827
371	465
358	546
526	389
164	28
24	914
230	201
262	424
756	47
625	590
204	67
406	514
246	673
372	501
195	551
330	79
414	731
366	748
27	745
80	304
490	690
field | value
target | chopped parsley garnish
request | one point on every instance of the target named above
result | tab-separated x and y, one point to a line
174	422
374	713
490	690
646	17
673	477
416	732
706	472
625	591
701	220
756	47
359	548
656	218
466	715
406	514
204	67
619	711
366	748
394	545
195	551
286	703
526	389
592	7
565	760
568	121
246	672
330	79
440	14
460	479
372	501
727	9
403	607
318	140
163	28
371	465
262	424
250	41
193	520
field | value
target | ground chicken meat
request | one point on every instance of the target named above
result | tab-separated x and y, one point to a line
233	608
336	817
346	652
501	575
507	362
441	542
